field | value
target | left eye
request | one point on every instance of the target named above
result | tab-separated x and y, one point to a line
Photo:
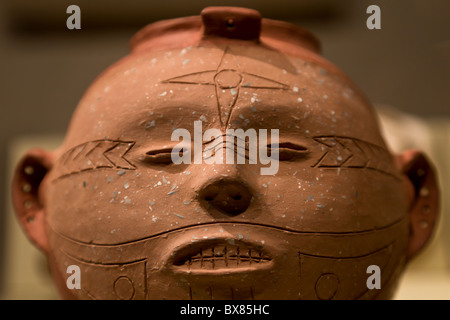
288	151
161	156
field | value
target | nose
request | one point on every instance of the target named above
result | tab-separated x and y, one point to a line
228	196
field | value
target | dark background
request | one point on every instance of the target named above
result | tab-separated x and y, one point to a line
45	68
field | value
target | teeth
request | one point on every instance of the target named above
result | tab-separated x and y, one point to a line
221	256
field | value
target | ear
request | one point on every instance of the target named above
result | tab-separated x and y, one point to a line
424	198
28	194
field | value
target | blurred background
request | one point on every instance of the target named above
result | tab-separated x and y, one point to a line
403	68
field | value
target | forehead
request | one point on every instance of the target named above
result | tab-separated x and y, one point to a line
225	87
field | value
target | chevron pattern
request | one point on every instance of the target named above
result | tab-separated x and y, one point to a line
94	155
343	152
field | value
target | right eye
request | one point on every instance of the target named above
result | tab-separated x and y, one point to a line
288	151
161	156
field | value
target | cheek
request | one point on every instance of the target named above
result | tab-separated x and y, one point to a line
332	200
106	206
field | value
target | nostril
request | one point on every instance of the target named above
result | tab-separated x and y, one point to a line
230	24
237	197
230	197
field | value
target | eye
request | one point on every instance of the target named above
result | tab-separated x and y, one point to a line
288	151
161	156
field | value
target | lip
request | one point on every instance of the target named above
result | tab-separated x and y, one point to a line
221	255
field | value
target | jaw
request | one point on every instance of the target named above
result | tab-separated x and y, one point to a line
203	262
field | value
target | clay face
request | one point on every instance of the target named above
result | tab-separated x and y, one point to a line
112	201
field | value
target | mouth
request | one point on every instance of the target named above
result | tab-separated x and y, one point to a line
226	255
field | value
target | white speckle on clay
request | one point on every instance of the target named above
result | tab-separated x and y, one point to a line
163	94
300	99
203	118
186	61
295	89
172	191
150	125
126	185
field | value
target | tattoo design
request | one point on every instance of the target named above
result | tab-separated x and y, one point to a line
228	82
337	276
123	281
342	152
130	269
94	155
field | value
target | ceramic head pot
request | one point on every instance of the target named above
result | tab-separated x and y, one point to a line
224	158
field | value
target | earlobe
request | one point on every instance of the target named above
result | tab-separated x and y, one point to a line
424	204
27	194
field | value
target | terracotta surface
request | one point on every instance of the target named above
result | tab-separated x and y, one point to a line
111	201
